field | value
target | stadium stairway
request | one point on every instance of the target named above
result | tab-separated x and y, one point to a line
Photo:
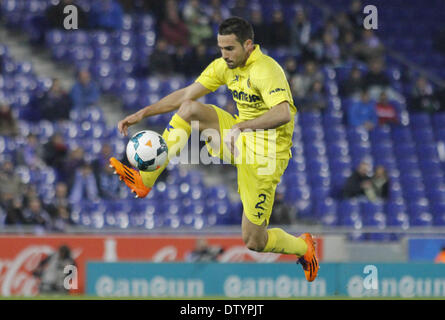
44	66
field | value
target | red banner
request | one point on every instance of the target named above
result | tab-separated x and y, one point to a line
20	255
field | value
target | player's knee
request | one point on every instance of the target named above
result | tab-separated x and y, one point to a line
188	110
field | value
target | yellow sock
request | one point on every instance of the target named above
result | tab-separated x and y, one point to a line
279	241
176	136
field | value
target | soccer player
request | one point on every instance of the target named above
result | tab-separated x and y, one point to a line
264	101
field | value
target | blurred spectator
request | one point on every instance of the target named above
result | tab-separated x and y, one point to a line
103	157
386	112
84	186
109	186
355	15
329	27
343	23
300	31
282	213
173	29
106	14
161	61
260	28
302	82
60	208
279	31
376	80
369	47
353	85
197	23
55	152
199	60
30	191
10	184
315	99
35	214
331	51
216	7
85	92
440	257
240	9
56	103
8	124
55	16
363	112
154	7
215	21
51	271
290	68
74	161
313	51
347	44
181	59
203	252
422	98
359	179
377	188
32	153
14	211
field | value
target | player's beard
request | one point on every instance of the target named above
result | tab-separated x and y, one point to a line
234	65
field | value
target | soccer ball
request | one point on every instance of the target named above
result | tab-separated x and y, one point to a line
147	150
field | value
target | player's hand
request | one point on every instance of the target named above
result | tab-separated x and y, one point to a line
123	125
230	140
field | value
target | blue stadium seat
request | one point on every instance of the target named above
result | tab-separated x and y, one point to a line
123	39
423	136
100	38
77	37
419	213
439	120
401	134
146	23
326	206
420	120
349	213
438	211
122	219
428	152
173	208
149	85
315	150
436	195
335	134
154	222
313	134
128	22
136	220
172	221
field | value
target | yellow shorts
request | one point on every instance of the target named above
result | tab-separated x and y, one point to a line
257	181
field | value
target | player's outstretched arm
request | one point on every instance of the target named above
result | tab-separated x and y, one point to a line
169	103
274	118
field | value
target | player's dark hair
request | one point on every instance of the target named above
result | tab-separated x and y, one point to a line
239	27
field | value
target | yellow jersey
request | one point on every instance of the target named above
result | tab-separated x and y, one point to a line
256	87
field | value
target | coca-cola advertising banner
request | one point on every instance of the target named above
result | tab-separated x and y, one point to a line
21	255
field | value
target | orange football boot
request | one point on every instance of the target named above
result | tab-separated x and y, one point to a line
309	261
131	177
